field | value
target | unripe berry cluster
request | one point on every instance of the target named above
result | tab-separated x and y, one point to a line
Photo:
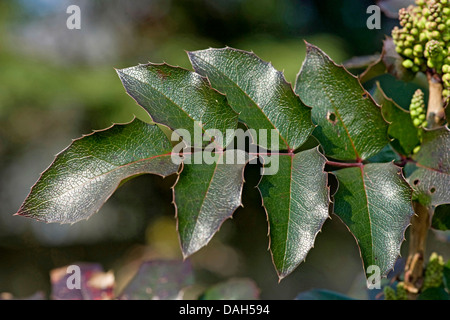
417	109
434	272
424	39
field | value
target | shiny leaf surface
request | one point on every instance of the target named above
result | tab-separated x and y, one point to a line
374	201
296	200
205	195
350	124
180	99
430	175
84	175
401	127
260	94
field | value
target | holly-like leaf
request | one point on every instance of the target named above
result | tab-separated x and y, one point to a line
296	200
205	195
350	124
84	175
430	177
401	127
159	280
233	289
259	93
374	201
180	99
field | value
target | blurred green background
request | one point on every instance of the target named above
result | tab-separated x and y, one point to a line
57	84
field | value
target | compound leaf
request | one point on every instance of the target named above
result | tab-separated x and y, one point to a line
349	122
259	93
374	201
84	175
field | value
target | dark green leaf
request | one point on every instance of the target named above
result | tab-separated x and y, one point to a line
430	178
233	289
296	200
159	280
386	155
434	294
441	218
374	201
259	93
447	275
205	195
85	174
400	122
350	124
179	99
321	294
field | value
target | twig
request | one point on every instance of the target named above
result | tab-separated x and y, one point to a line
435	110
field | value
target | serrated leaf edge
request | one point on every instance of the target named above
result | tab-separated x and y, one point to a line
390	268
25	214
188	254
310	47
281	276
205	79
281	76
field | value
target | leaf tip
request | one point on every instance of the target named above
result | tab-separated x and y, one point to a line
311	47
185	255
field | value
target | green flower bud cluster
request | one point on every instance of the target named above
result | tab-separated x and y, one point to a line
417	109
424	39
434	272
418	115
399	293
